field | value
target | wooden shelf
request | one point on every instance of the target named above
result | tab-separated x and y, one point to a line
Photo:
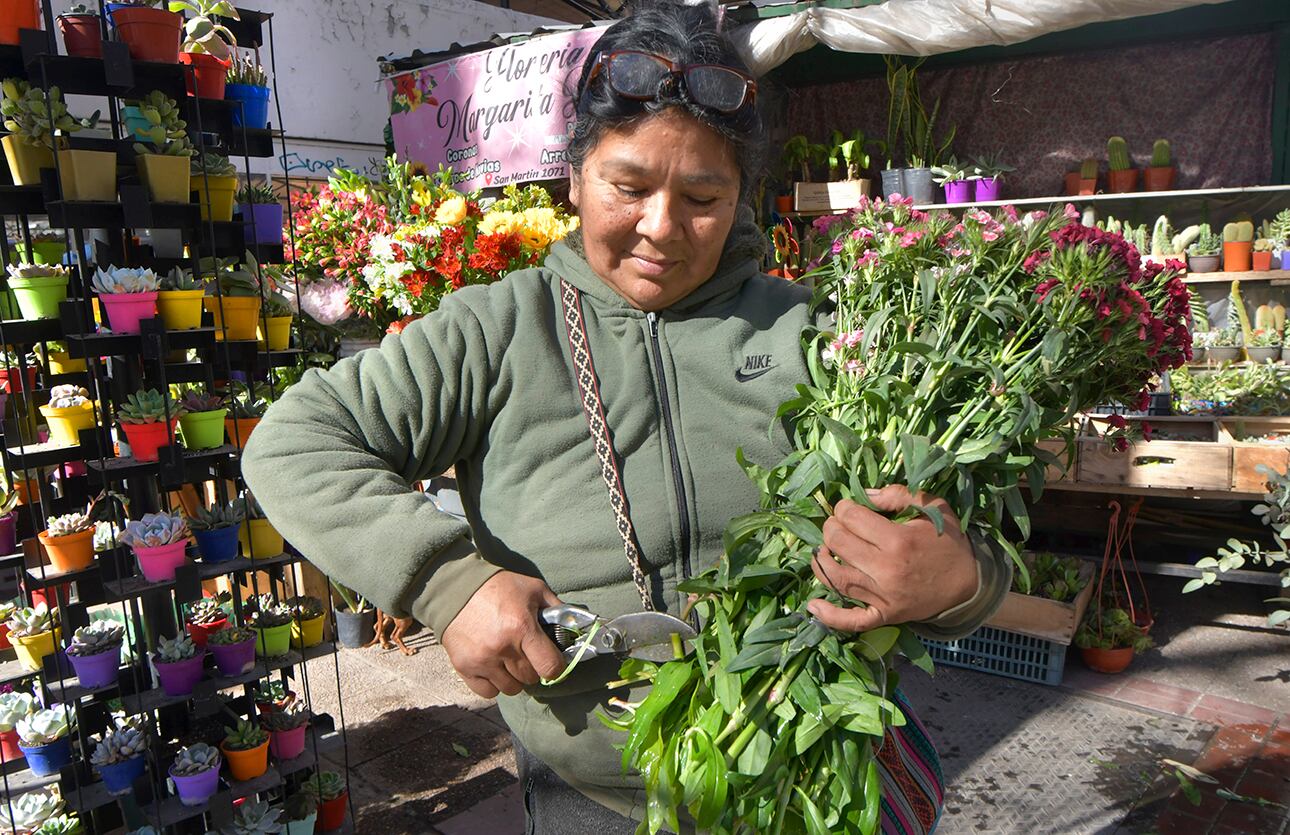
1277	277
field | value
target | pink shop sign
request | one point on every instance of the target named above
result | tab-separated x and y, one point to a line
495	117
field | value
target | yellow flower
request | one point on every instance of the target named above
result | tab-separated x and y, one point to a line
499	223
421	193
451	211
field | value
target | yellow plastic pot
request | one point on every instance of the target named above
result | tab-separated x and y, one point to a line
260	540
25	161
167	177
220	203
61	362
181	310
235	316
307	633
32	650
88	175
65	424
279	338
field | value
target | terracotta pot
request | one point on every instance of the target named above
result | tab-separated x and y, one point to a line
1087	187
16	15
1071	184
1122	181
150	34
1260	261
1236	256
81	35
209	74
1108	661
783	203
247	765
69	553
1159	179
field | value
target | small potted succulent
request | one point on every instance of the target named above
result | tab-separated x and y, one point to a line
247	407
17	372
990	170
233	299
28	812
1203	256
1121	176
216	528
1261	256
81	33
1238	246
274	332
255	818
206	46
158	541
234	650
69	541
287	731
272	623
214	180
45	739
57	359
128	296
39	289
14	706
69	411
179	300
272	694
65	824
258	538
179	665
1224	346
307	621
956	178
196	774
261	214
163	148
95	653
33	126
299	814
1086	181
355	618
1279	231
205	617
144	420
1264	345
119	755
107	537
248	84
202	424
329	789
1200	344
48	246
1107	642
34	633
1161	173
150	34
246	747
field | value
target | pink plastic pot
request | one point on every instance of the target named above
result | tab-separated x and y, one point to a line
125	311
179	678
159	564
958	191
287	745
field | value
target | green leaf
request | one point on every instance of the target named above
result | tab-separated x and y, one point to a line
933	514
1017	507
814	470
876	643
802	528
756	655
815	824
1193	585
742	527
1053	345
915	650
872	797
460	750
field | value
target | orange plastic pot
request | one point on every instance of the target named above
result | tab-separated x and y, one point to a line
1108	661
208	77
16	15
69	553
249	764
239	431
1122	182
150	34
784	203
1261	261
1236	256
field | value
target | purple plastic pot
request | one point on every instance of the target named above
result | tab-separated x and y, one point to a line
1285	260
196	789
287	745
8	531
180	677
958	191
261	223
98	670
987	189
118	778
234	659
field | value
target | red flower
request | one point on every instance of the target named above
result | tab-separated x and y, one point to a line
397	327
1117	421
494	253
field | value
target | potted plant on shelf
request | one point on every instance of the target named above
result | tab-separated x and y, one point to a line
148	419
34	633
1224	346
164	151
30	811
178	662
299	814
48	246
1261	255
128	296
1203	255
179	300
32	124
57	360
916	127
247	407
158	540
65	824
307	621
246	748
95	653
216	529
248	84
955	178
119	755
69	541
16	16
355	619
14	705
234	650
214	180
38	289
7	608
202	423
798	153
329	789
261	214
195	773
990	170
150	34
69	411
1264	345
1279	231
1087	177
1238	244
1108	638
45	739
1121	177
286	729
233	298
253	819
82	36
1160	175
259	539
271	695
278	316
206	46
272	624
206	616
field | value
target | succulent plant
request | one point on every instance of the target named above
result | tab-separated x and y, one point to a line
213	165
201	32
45	726
244	70
1117	154
231	635
25	270
1207	243
100	636
61	825
67	396
179	648
265	613
27	812
217	516
198	401
155	530
167	133
239	283
251	507
127	741
68	524
251	401
325	785
253	819
83	9
125	280
106	536
244	736
1242	232
15	705
195	759
35	119
299	806
305	607
1161	154
287	718
261	195
208	610
30	621
180	279
277	305
148	406
272	692
1279	228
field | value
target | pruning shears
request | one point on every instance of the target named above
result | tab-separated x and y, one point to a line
645	635
787	250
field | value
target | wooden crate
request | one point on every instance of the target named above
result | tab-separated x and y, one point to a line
829	197
1039	617
1248	455
1171	464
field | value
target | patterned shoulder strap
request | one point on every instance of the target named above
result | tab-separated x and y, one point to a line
594	409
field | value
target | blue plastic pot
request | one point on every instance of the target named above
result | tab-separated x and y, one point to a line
255	105
135	123
46	760
111	7
119	778
219	545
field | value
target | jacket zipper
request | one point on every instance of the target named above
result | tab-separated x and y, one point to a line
678	482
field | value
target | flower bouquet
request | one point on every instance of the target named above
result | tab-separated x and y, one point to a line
953	349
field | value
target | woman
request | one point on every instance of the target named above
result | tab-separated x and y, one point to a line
693	349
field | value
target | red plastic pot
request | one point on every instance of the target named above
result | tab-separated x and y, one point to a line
331	813
1261	261
1108	661
81	35
1122	181
201	632
783	203
150	34
4	636
147	438
16	15
50	595
208	77
11	379
1159	179
9	749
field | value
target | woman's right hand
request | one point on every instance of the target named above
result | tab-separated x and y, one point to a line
496	643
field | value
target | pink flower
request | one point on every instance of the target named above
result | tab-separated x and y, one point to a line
854	366
869	258
326	301
1070	212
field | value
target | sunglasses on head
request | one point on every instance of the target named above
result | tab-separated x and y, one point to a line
644	76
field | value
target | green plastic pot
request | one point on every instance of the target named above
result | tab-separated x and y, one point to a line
39	297
203	430
274	641
42	252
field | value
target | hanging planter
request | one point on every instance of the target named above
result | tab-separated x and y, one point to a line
82	36
88	175
38	289
234	651
16	15
150	34
207	79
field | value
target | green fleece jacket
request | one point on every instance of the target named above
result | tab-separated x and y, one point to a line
486	384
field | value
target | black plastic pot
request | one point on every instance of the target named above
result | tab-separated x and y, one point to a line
353	630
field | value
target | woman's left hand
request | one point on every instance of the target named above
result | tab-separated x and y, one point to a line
904	571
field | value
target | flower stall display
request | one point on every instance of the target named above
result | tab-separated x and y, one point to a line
38	288
246	748
119	756
69	411
955	348
158	540
69	541
148	419
195	773
95	653
178	662
45	738
216	530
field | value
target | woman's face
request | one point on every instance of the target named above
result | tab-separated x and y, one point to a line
656	200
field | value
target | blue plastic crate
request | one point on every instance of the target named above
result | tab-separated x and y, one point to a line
1003	653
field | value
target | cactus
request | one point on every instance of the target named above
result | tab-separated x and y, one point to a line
264	613
1117	154
99	637
179	648
127	741
1161	240
1263	245
122	280
148	406
67	396
254	819
68	524
287	718
1088	169
45	726
14	706
29	621
326	785
1207	243
155	530
195	759
1185	239
1238	319
305	607
244	736
27	812
217	516
1161	155
180	279
1240	232
231	635
195	401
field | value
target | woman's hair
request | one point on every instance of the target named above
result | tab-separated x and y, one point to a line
685	35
